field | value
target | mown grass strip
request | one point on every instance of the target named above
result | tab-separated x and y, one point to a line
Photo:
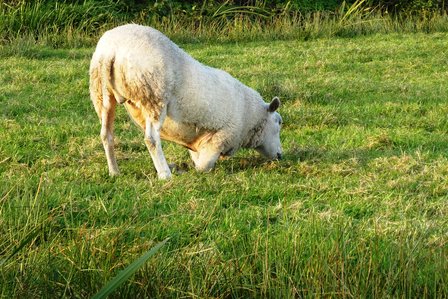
357	207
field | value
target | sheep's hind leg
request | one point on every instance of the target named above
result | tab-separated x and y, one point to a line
154	145
107	132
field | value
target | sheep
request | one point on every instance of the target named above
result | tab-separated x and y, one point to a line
172	96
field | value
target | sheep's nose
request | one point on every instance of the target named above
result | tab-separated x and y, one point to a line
279	156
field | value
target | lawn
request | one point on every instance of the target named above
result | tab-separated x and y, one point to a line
357	208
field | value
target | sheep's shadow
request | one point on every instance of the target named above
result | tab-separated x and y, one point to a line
228	165
297	155
254	162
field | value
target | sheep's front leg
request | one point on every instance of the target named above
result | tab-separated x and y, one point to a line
107	132
205	159
194	156
154	145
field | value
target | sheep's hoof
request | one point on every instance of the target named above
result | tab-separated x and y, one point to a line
164	175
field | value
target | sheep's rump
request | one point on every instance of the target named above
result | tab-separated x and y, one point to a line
134	63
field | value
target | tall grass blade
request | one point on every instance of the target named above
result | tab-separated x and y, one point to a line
127	272
235	10
22	244
353	10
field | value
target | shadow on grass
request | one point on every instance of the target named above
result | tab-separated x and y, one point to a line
320	155
294	156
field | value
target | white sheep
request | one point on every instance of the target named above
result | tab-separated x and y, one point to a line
174	97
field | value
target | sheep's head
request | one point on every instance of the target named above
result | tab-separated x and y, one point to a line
269	144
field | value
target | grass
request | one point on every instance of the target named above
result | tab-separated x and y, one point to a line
358	207
65	24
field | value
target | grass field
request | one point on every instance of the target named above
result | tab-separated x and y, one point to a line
358	208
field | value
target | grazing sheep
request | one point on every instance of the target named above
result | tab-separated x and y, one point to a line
172	96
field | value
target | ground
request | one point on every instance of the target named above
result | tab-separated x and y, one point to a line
358	207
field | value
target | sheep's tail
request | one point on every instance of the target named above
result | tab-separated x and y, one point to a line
101	78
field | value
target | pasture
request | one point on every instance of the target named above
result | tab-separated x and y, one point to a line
357	208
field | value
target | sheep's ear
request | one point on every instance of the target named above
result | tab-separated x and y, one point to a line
274	104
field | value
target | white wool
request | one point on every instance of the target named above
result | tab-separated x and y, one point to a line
204	106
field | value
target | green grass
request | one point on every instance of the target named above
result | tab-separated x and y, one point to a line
358	207
77	24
